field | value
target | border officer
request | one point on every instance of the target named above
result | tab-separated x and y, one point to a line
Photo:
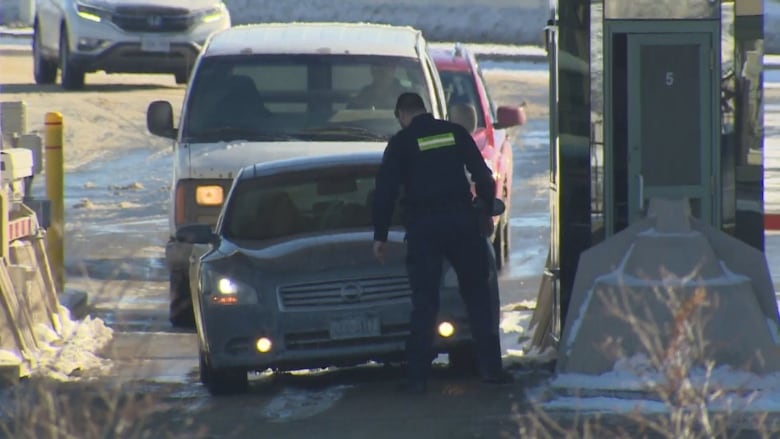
427	158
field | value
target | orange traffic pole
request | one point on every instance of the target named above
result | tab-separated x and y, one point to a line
55	184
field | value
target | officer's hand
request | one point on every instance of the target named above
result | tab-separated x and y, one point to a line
486	225
379	251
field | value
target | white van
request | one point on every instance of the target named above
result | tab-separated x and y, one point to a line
280	90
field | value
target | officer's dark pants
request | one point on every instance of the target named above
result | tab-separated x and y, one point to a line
456	237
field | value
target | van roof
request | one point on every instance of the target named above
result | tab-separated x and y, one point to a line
324	38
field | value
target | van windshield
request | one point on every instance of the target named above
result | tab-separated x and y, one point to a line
298	97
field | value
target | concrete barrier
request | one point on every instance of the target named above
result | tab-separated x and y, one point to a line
31	316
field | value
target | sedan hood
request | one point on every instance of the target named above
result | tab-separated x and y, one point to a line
223	160
336	252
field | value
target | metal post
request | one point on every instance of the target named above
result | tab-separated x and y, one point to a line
55	183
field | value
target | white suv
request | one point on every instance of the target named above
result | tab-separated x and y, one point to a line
281	90
121	36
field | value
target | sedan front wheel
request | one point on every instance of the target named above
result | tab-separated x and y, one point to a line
222	381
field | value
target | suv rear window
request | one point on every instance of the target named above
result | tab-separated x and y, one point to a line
317	201
298	97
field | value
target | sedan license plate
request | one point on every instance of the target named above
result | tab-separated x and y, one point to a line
355	327
154	44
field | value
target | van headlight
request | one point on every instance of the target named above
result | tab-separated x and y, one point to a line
209	195
218	289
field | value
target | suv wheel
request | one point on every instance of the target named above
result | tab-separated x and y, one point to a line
181	312
72	76
44	71
222	381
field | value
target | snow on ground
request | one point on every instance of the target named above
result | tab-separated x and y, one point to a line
724	388
65	354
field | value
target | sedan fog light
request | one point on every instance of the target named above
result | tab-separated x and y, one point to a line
446	329
263	345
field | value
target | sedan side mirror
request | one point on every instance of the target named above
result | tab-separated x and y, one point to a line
196	234
510	116
159	119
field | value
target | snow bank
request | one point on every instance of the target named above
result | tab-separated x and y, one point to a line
727	389
67	355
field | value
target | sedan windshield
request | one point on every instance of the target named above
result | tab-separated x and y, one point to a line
298	97
314	201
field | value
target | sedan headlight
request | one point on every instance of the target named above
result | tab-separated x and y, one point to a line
218	289
91	13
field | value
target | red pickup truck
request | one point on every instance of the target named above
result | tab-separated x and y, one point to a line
469	104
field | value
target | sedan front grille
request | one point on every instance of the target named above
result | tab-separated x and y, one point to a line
341	293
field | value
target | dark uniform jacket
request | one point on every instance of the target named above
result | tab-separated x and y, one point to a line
427	158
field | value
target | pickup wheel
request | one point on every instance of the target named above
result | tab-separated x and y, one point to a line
222	381
72	75
44	71
181	312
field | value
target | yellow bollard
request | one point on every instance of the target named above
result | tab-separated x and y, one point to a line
55	184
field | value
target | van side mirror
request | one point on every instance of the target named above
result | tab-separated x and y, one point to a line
159	119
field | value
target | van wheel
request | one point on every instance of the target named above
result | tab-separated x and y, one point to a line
72	76
181	312
222	381
182	77
44	71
